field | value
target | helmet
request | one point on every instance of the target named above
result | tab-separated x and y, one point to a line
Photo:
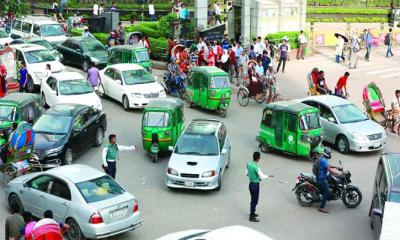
327	152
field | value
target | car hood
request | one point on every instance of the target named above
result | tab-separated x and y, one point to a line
182	234
44	141
90	99
56	66
5	40
100	55
153	87
56	39
192	163
367	127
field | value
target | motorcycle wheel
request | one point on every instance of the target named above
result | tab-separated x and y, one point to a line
351	197
302	198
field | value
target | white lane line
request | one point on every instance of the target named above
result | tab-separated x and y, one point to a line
382	71
391	75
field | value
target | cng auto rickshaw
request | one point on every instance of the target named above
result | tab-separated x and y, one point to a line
162	124
290	127
129	54
208	87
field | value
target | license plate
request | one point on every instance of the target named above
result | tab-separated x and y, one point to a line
118	214
189	184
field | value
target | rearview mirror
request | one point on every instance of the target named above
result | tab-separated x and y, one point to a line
171	148
119	81
377	212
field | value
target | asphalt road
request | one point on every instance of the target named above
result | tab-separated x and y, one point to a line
165	211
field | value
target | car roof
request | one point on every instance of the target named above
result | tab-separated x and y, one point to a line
19	98
40	20
328	100
392	163
203	126
210	70
83	39
62	76
126	66
128	47
235	233
26	47
76	173
169	103
67	109
288	106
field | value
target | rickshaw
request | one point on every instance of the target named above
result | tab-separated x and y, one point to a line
129	54
17	157
312	89
180	53
290	127
162	124
374	104
134	38
209	88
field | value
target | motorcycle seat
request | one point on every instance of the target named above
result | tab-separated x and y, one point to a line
309	177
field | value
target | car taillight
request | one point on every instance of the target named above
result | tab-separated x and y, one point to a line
135	206
167	133
96	218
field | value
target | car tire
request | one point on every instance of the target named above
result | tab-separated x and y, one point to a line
102	92
342	144
85	65
30	86
218	188
74	232
68	157
229	160
44	103
125	103
99	137
14	199
265	148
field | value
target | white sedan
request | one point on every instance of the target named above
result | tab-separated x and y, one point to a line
69	87
130	84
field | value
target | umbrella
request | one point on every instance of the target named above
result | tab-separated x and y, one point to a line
342	35
251	61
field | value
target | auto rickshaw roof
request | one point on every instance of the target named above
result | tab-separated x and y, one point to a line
128	48
165	104
210	70
19	98
289	106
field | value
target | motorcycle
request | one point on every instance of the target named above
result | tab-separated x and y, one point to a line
175	85
307	189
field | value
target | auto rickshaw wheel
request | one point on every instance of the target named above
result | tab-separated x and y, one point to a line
264	148
189	103
243	97
223	112
154	157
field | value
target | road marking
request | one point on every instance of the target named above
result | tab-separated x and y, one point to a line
382	71
391	75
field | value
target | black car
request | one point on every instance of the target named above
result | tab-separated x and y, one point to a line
67	130
386	188
82	51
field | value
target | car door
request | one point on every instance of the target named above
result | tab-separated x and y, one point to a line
59	199
329	123
223	146
278	126
35	194
91	125
76	52
376	220
117	85
36	30
50	91
65	49
79	140
289	133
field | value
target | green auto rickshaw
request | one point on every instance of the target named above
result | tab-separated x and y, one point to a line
129	54
18	107
209	87
162	124
291	127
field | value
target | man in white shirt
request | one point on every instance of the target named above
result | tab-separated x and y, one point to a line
152	11
217	11
302	39
395	104
201	44
95	8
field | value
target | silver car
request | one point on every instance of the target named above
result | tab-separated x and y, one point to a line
346	125
92	203
200	156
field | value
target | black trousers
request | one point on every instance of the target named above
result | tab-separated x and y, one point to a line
112	169
254	193
282	60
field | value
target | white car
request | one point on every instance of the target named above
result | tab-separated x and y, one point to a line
69	87
4	38
231	233
36	58
130	84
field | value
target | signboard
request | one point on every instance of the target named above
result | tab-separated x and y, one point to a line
214	33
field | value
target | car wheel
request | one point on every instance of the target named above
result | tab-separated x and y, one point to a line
99	137
85	65
30	86
74	232
219	182
342	144
102	93
44	103
229	160
68	157
125	103
264	148
14	199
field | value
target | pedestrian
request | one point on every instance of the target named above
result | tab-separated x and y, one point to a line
232	58
101	9
184	12
23	73
243	59
265	61
252	53
93	77
113	7
225	61
342	85
86	32
201	44
3	80
368	43
259	46
354	48
211	57
255	175
152	11
95	8
284	51
217	12
29	224
302	39
339	49
63	6
14	223
121	33
225	42
194	57
56	10
395	104
111	155
48	218
389	43
181	40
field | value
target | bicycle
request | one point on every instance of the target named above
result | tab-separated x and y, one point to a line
391	122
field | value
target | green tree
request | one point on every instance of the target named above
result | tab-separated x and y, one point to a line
16	7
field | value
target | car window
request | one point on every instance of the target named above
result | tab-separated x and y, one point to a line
20	57
325	112
267	118
79	121
49	30
24	111
117	75
99	189
17	25
60	189
40	183
75	87
67	44
291	123
156	119
91	45
197	144
53	124
137	76
311	103
39	56
383	190
52	83
26	27
89	115
110	73
36	29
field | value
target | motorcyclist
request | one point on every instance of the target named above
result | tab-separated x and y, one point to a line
175	72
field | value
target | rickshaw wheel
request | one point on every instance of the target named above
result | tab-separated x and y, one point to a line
260	99
277	97
243	97
223	112
264	148
154	157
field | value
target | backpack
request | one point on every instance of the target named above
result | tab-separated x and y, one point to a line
316	167
387	39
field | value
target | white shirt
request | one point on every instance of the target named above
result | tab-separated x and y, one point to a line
151	9
101	10
95	9
120	148
260	174
302	38
217	9
200	45
396	104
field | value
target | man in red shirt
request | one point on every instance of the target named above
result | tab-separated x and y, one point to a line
342	84
171	44
232	58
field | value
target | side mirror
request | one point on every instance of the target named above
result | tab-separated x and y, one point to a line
119	81
170	148
331	119
377	212
224	151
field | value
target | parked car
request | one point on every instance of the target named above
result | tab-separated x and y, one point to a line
93	204
38	26
82	51
231	233
69	87
36	58
42	42
200	156
130	84
346	125
4	38
67	130
386	189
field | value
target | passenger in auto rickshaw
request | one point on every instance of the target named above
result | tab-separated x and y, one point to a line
255	84
322	87
175	71
315	76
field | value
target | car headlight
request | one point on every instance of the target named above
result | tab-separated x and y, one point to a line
360	137
95	60
208	174
172	171
136	95
54	150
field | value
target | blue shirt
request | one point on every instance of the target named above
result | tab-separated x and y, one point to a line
23	74
323	168
225	44
238	52
368	38
184	14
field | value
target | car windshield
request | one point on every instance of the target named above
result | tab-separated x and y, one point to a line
51	30
395	197
74	87
39	56
43	43
137	77
99	189
220	82
91	45
53	124
7	113
349	113
142	56
309	121
197	144
156	119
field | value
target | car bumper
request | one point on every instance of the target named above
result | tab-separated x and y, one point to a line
98	231
47	162
192	183
367	146
140	102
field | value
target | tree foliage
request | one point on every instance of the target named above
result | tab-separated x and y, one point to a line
16	7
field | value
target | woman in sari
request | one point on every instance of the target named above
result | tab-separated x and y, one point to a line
255	85
3	81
